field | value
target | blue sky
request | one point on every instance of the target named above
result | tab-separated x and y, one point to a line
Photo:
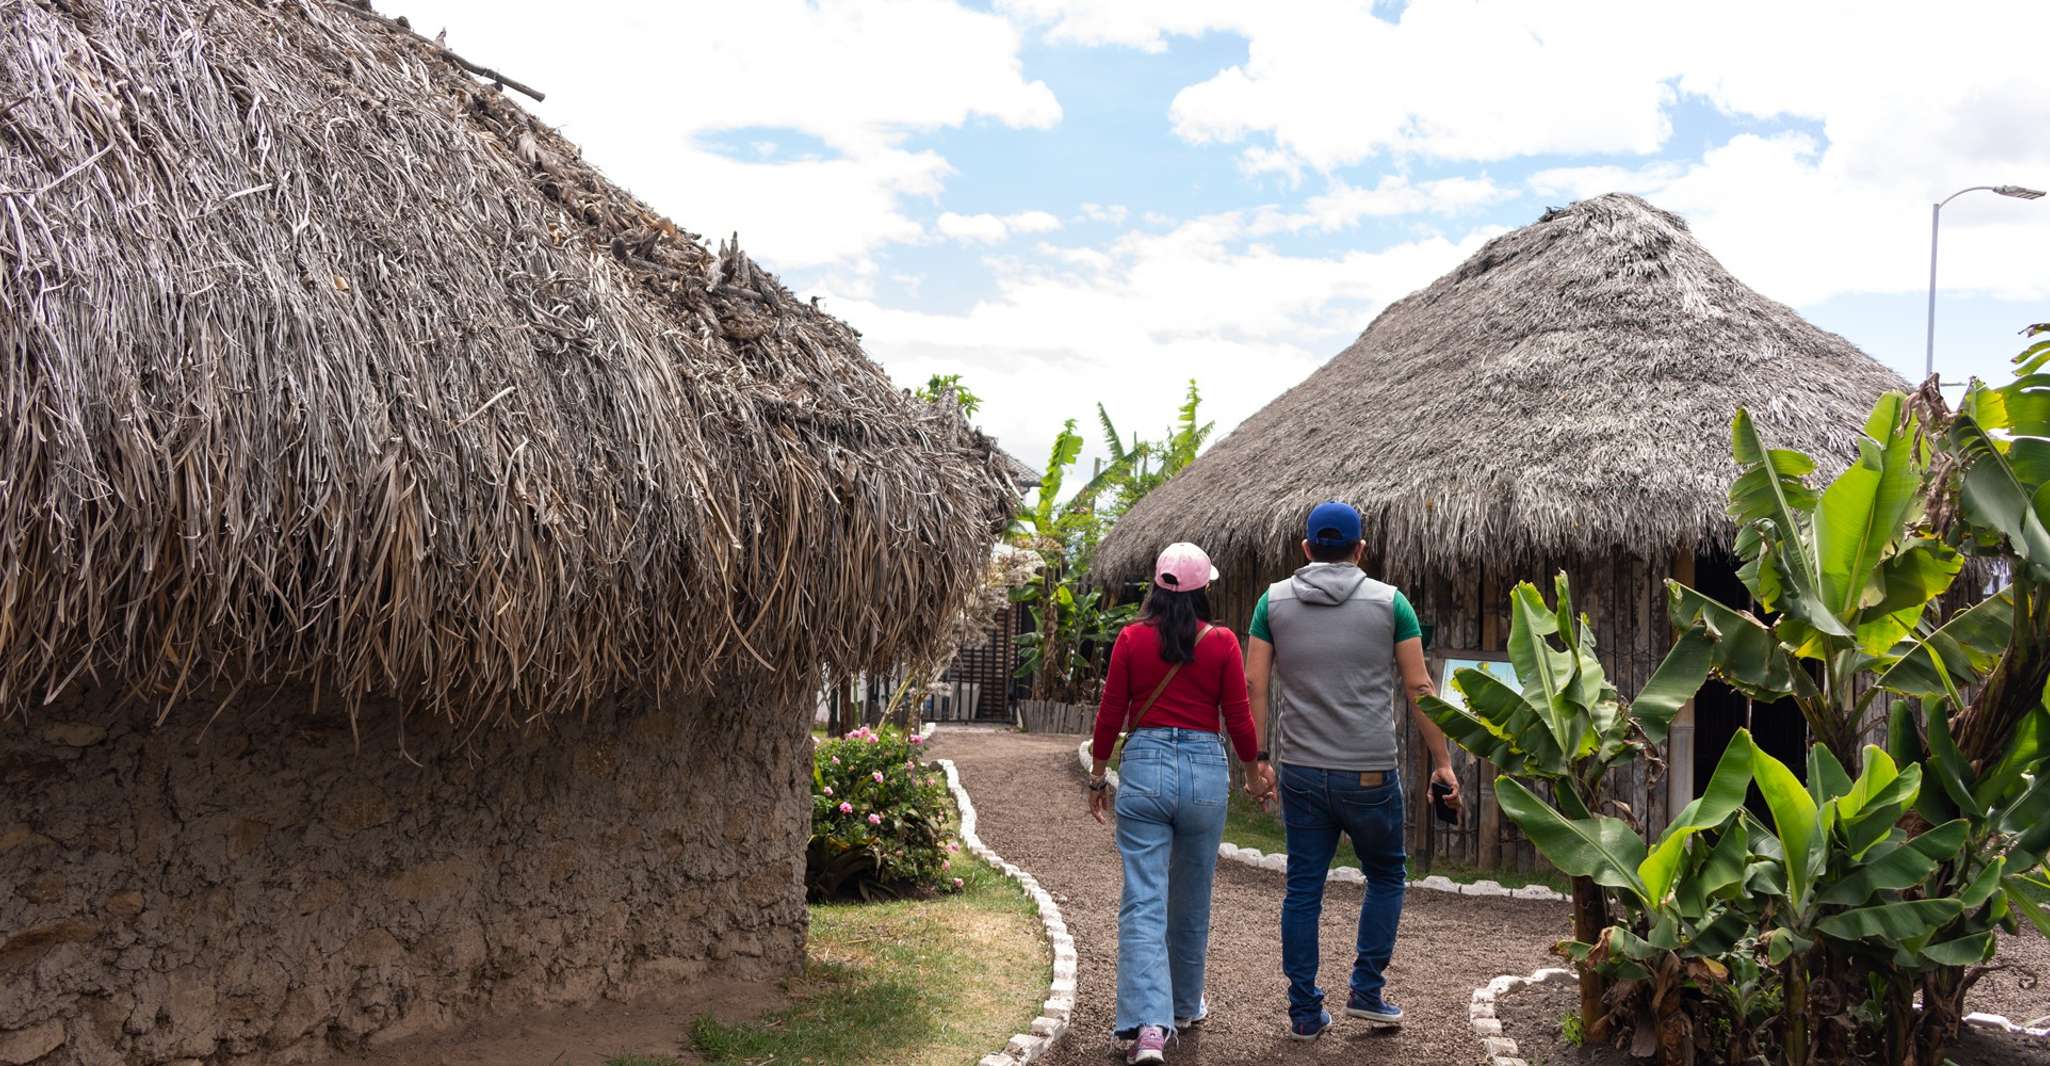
1068	201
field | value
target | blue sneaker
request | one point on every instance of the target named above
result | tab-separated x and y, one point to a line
1310	1028
1374	1009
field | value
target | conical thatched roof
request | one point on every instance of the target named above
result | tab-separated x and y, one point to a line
1566	390
321	360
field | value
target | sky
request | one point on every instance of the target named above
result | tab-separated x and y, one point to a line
1074	201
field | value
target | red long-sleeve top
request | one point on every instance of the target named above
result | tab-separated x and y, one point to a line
1210	688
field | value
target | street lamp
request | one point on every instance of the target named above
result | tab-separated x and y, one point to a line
1935	217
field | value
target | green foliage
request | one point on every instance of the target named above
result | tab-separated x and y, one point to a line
880	819
1886	870
1572	1030
940	385
1066	650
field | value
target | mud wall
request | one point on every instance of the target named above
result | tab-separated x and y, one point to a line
276	891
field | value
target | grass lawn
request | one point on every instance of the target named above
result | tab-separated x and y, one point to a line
920	982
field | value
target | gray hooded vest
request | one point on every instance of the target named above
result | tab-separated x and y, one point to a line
1333	631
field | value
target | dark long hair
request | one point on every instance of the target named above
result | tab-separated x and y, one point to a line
1177	617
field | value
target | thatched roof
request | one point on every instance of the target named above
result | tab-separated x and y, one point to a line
1567	390
322	361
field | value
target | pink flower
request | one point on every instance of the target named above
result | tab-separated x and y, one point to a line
915	739
847	808
872	738
829	790
946	864
957	882
878	775
951	846
875	819
836	760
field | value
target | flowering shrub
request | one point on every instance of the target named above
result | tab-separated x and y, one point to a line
880	821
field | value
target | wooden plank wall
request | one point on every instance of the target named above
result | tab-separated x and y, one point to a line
1467	608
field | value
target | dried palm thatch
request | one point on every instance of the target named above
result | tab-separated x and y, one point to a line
1567	390
321	361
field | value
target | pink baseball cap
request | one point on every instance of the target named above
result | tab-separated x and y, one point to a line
1182	567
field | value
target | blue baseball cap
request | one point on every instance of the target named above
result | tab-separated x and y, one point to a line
1332	525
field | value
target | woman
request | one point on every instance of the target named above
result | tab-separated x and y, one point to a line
1175	682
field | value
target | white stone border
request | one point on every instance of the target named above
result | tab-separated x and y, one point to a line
1055	1013
1501	1050
1350	875
2037	1027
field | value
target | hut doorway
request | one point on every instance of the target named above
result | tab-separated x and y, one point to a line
1719	710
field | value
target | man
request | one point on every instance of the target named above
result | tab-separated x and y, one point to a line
1337	644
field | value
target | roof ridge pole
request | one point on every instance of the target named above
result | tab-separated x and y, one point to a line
1935	220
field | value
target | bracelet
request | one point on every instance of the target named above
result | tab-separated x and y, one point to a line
1098	784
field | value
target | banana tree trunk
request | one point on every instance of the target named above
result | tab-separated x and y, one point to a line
1795	1012
1590	917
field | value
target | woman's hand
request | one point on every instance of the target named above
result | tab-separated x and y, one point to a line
1099	802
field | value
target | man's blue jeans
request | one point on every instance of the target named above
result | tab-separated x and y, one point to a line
1170	805
1316	807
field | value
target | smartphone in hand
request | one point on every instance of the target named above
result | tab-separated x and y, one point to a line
1440	790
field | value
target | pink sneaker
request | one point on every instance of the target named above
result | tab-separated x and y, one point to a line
1151	1045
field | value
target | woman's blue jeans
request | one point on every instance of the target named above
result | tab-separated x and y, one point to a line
1317	807
1170	806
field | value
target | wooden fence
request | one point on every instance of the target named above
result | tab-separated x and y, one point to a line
1049	716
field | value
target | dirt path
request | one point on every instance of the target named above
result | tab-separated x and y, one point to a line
1029	797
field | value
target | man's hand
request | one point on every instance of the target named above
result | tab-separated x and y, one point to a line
1452	799
1260	782
1099	802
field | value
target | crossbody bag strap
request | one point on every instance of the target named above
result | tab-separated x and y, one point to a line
1132	722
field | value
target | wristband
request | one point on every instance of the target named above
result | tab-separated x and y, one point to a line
1098	784
1262	756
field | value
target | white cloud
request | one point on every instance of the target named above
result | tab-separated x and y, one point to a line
1333	82
989	229
1862	113
1111	213
1139	316
1330	82
986	228
1790	217
1032	222
644	89
1342	206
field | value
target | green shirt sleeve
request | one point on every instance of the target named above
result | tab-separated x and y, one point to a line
1406	625
1259	626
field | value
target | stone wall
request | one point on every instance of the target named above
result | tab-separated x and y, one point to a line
274	892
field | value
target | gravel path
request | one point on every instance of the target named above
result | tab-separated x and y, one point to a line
1028	794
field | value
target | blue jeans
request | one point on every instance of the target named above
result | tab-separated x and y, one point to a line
1316	807
1170	806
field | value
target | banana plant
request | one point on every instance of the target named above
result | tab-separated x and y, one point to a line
1845	573
1563	728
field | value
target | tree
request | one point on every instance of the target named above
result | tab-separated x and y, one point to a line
1886	887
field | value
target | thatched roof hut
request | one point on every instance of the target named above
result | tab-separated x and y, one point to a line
1560	400
333	382
322	355
1569	387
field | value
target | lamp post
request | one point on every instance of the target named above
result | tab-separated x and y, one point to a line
1935	218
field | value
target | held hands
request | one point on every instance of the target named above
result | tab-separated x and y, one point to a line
1260	783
